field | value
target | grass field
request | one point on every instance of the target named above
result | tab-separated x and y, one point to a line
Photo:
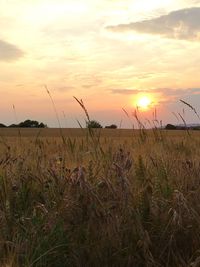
75	197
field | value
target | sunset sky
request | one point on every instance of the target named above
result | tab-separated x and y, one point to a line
106	52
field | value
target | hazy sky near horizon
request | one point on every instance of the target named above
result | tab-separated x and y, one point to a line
106	52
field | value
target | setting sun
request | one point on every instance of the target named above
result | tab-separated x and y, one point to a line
144	102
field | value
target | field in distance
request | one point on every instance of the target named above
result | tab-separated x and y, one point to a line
78	132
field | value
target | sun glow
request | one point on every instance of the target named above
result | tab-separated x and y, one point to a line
144	102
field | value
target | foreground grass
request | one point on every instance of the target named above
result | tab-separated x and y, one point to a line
100	201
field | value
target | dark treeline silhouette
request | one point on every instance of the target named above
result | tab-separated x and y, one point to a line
25	124
182	127
93	124
112	126
96	124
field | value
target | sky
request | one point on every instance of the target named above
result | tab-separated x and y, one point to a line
108	53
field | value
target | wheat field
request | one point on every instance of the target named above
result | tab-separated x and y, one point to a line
84	197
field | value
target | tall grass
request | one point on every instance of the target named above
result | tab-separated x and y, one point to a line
96	201
133	206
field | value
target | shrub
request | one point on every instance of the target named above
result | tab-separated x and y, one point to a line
112	126
170	127
93	124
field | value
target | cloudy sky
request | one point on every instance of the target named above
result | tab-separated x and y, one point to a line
106	52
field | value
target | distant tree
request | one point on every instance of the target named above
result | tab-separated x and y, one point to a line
182	127
112	126
29	124
170	127
13	126
2	125
195	128
42	125
93	124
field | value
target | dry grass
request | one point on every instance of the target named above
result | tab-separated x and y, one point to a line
116	198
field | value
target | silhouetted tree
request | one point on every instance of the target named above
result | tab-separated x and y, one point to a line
93	124
170	127
2	125
29	124
13	126
112	126
42	125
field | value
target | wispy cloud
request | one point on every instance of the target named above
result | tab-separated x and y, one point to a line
9	52
128	91
63	89
181	24
164	91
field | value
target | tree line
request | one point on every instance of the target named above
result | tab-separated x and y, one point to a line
25	124
90	124
181	127
36	124
96	124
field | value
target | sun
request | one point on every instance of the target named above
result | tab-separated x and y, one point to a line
144	102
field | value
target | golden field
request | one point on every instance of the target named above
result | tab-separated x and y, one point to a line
80	197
